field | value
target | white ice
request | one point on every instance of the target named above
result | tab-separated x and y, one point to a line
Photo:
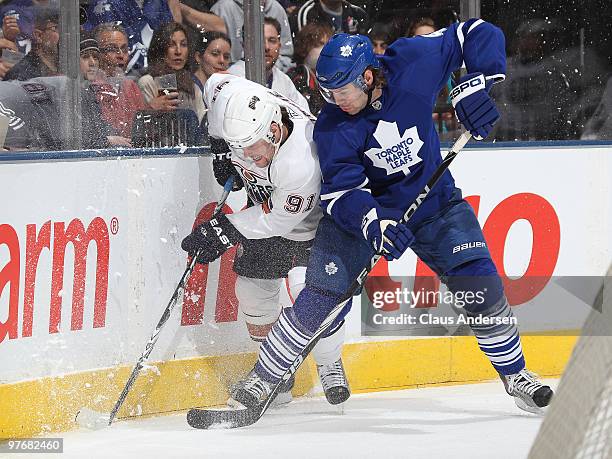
468	421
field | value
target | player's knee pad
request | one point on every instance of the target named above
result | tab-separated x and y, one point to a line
258	300
337	257
312	306
329	347
475	285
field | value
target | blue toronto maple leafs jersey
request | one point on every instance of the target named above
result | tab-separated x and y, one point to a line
383	156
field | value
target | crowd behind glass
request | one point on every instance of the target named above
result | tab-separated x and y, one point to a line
144	63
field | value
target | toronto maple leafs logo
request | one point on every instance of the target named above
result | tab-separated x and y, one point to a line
346	51
102	7
396	153
331	268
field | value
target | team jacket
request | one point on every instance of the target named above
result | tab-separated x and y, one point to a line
383	156
287	191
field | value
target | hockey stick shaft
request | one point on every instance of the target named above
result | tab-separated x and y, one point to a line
241	418
166	315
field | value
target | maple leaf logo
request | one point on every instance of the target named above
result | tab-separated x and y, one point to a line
331	268
396	153
346	51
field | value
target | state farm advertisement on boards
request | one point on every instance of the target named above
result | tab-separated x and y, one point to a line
90	253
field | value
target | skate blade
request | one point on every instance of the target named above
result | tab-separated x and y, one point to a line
340	408
281	399
529	408
91	419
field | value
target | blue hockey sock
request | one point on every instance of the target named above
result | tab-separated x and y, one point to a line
500	342
284	343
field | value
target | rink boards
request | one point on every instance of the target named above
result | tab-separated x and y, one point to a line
90	254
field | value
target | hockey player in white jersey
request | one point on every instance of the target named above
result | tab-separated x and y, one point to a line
272	149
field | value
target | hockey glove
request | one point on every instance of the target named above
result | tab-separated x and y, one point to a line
389	238
222	164
474	107
211	239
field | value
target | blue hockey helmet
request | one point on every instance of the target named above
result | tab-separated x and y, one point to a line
343	60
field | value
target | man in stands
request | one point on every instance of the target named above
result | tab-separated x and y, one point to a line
119	97
43	58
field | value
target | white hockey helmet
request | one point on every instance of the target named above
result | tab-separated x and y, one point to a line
248	116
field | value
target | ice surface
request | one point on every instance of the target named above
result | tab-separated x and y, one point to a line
469	421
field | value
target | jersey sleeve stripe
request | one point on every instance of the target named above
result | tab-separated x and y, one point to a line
498	77
333	201
460	36
337	194
474	25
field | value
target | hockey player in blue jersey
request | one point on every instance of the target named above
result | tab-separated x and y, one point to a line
377	149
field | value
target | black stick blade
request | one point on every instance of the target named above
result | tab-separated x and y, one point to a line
222	419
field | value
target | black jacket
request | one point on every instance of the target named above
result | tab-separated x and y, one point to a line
354	19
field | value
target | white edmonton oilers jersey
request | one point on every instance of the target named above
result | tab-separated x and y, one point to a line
287	191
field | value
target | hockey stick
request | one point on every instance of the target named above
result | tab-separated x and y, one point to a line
206	418
92	419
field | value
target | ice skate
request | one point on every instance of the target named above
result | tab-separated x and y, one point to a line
284	394
529	393
334	382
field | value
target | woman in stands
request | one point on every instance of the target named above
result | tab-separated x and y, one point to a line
308	44
170	53
212	55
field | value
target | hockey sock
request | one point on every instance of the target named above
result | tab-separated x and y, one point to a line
500	341
329	347
292	332
284	343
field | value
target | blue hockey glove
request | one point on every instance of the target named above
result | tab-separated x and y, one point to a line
212	239
389	238
474	107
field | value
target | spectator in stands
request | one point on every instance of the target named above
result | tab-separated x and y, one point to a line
96	133
381	37
171	53
341	15
140	18
18	22
231	12
43	58
537	99
276	79
308	44
421	26
119	97
90	57
5	65
212	55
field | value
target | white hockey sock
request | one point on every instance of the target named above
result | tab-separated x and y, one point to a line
328	349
